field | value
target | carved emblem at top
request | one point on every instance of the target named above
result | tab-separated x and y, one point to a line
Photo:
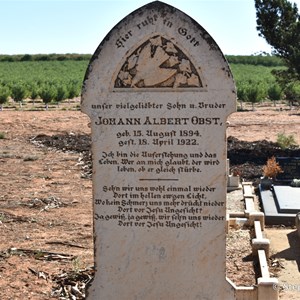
158	63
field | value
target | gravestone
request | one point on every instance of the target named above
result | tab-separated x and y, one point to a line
281	203
158	91
290	167
287	199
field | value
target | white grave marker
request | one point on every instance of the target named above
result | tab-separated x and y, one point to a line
158	91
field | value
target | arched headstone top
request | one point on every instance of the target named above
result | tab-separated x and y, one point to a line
157	48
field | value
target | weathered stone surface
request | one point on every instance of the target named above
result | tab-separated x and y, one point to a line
287	199
158	91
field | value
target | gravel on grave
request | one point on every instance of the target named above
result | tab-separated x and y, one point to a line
241	267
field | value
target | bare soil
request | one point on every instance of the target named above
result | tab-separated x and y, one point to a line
285	260
46	240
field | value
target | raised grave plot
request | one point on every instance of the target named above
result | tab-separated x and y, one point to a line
281	203
272	215
287	199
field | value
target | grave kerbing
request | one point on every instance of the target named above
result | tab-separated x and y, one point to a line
158	91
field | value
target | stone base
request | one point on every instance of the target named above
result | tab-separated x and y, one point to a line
260	244
268	288
233	183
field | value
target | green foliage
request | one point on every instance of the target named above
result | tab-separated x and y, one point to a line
74	90
61	93
44	57
256	60
247	76
2	135
253	74
275	92
255	93
292	91
285	141
278	21
65	73
242	92
36	75
18	91
26	57
33	91
4	94
47	93
43	71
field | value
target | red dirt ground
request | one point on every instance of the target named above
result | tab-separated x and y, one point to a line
45	201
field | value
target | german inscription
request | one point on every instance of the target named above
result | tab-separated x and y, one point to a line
164	201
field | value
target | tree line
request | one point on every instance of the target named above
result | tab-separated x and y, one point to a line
262	59
47	91
56	77
44	57
49	80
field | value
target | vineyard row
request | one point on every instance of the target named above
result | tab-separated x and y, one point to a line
55	79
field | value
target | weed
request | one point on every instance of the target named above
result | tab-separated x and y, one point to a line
2	217
2	135
30	158
286	141
77	264
6	155
272	168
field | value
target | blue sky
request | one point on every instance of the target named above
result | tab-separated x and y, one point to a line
78	26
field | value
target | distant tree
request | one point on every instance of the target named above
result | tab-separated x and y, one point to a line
275	92
254	94
61	93
73	90
33	91
47	94
242	93
278	21
4	94
18	92
26	57
292	93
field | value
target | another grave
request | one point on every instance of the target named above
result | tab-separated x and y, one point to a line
282	202
290	167
158	91
287	199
